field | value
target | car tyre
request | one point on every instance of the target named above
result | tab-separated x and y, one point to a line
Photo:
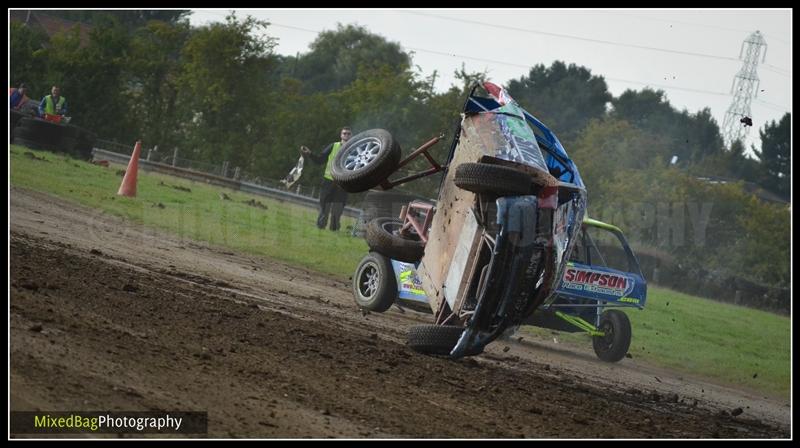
492	179
382	236
613	346
434	339
366	160
374	283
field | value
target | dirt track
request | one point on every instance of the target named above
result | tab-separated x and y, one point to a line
109	316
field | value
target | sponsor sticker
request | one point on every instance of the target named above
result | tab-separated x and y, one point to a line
582	279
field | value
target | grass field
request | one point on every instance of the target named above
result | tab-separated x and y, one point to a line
728	343
282	231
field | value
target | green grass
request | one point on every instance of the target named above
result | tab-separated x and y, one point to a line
698	336
283	231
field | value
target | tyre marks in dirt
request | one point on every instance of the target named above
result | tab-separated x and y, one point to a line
91	333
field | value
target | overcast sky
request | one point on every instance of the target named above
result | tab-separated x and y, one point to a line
631	49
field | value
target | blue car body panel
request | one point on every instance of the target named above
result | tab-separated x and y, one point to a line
603	284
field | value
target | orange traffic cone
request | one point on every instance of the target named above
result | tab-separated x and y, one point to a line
128	186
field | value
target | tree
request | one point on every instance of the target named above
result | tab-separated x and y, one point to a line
692	136
775	156
223	93
564	97
152	80
733	163
130	18
91	78
26	59
336	56
609	146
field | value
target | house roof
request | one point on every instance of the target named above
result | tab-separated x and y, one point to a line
51	25
749	187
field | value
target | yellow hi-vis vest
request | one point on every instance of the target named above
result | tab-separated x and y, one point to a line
331	156
53	109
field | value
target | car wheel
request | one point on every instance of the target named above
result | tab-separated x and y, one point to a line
492	179
374	284
383	236
365	160
613	346
434	339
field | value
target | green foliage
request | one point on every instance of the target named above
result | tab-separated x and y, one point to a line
337	56
775	155
27	61
153	83
131	18
766	243
691	136
222	91
91	78
732	163
564	97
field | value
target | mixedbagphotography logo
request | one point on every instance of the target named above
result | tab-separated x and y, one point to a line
100	422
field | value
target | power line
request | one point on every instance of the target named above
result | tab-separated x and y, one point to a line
567	36
528	67
732	30
772	105
776	69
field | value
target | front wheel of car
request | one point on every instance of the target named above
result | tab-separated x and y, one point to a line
374	284
487	178
366	160
614	344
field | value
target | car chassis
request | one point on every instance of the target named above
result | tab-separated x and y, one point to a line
496	245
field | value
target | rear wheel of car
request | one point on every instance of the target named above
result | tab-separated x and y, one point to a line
382	204
383	236
374	283
613	346
365	160
434	339
492	179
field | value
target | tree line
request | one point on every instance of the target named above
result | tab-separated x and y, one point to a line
219	92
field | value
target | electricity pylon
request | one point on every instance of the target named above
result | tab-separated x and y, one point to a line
745	85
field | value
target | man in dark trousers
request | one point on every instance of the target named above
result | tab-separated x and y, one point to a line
331	198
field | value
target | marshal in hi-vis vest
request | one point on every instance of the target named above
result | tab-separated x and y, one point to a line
331	156
53	109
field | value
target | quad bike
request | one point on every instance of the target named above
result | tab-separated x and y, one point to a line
494	246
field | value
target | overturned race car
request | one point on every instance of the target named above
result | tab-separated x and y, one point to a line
495	245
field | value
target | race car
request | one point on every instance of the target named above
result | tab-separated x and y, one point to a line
495	244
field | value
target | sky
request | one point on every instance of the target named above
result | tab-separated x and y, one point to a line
690	54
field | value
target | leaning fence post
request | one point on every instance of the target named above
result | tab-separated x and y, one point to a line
175	157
